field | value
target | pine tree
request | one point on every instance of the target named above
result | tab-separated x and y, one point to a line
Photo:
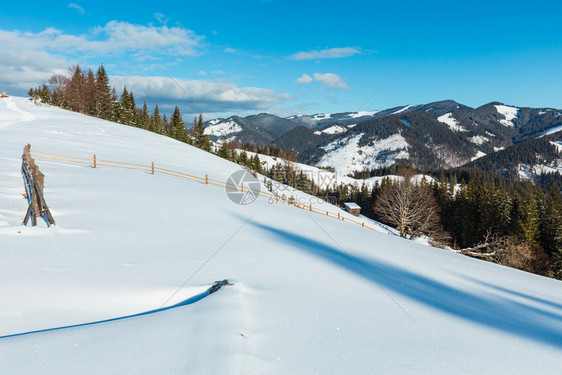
133	110
176	127
144	118
224	151
551	223
90	89
105	99
200	139
125	114
165	123
157	123
525	214
74	90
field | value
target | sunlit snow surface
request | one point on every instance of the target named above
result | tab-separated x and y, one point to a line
223	129
347	156
509	114
448	119
311	294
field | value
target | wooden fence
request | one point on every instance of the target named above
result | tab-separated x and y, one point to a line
95	162
34	180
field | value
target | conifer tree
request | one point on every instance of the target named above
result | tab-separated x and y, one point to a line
157	123
551	223
144	118
125	114
525	214
224	151
166	123
105	96
176	127
90	89
200	139
133	110
74	90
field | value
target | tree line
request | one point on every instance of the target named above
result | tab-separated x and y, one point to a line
475	208
89	93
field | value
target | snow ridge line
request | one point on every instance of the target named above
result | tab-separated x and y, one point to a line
205	180
196	298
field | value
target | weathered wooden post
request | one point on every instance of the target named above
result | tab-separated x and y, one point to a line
152	167
206	179
94	160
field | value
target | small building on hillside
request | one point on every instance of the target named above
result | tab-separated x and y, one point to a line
352	207
3	95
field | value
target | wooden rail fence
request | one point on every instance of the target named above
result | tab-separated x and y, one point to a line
34	180
152	169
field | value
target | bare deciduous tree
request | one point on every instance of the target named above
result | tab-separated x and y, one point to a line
509	251
411	207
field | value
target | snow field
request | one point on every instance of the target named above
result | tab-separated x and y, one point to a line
310	294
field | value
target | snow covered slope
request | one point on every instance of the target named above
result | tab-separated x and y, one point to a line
311	294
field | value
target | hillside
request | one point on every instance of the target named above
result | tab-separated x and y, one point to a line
121	283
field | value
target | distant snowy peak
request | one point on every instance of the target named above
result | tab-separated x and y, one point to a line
323	119
322	116
222	129
348	156
334	129
405	108
509	114
448	119
362	114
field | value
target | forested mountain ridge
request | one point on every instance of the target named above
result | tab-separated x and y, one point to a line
439	134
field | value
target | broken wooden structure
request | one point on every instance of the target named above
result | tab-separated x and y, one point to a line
33	180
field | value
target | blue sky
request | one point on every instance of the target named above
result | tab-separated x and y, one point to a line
288	57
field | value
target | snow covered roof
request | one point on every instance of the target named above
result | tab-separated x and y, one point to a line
351	205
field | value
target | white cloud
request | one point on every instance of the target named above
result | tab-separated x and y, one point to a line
331	80
230	50
212	96
30	58
304	79
77	7
113	38
330	53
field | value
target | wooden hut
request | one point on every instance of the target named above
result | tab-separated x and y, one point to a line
352	207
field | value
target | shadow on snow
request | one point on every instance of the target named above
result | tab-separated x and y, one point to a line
491	310
186	302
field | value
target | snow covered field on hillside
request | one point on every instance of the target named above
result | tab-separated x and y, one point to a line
310	294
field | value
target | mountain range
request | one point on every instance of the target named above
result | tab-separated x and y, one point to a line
445	134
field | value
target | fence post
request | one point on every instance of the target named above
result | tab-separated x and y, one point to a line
363	224
338	215
152	167
94	160
206	179
311	207
242	186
